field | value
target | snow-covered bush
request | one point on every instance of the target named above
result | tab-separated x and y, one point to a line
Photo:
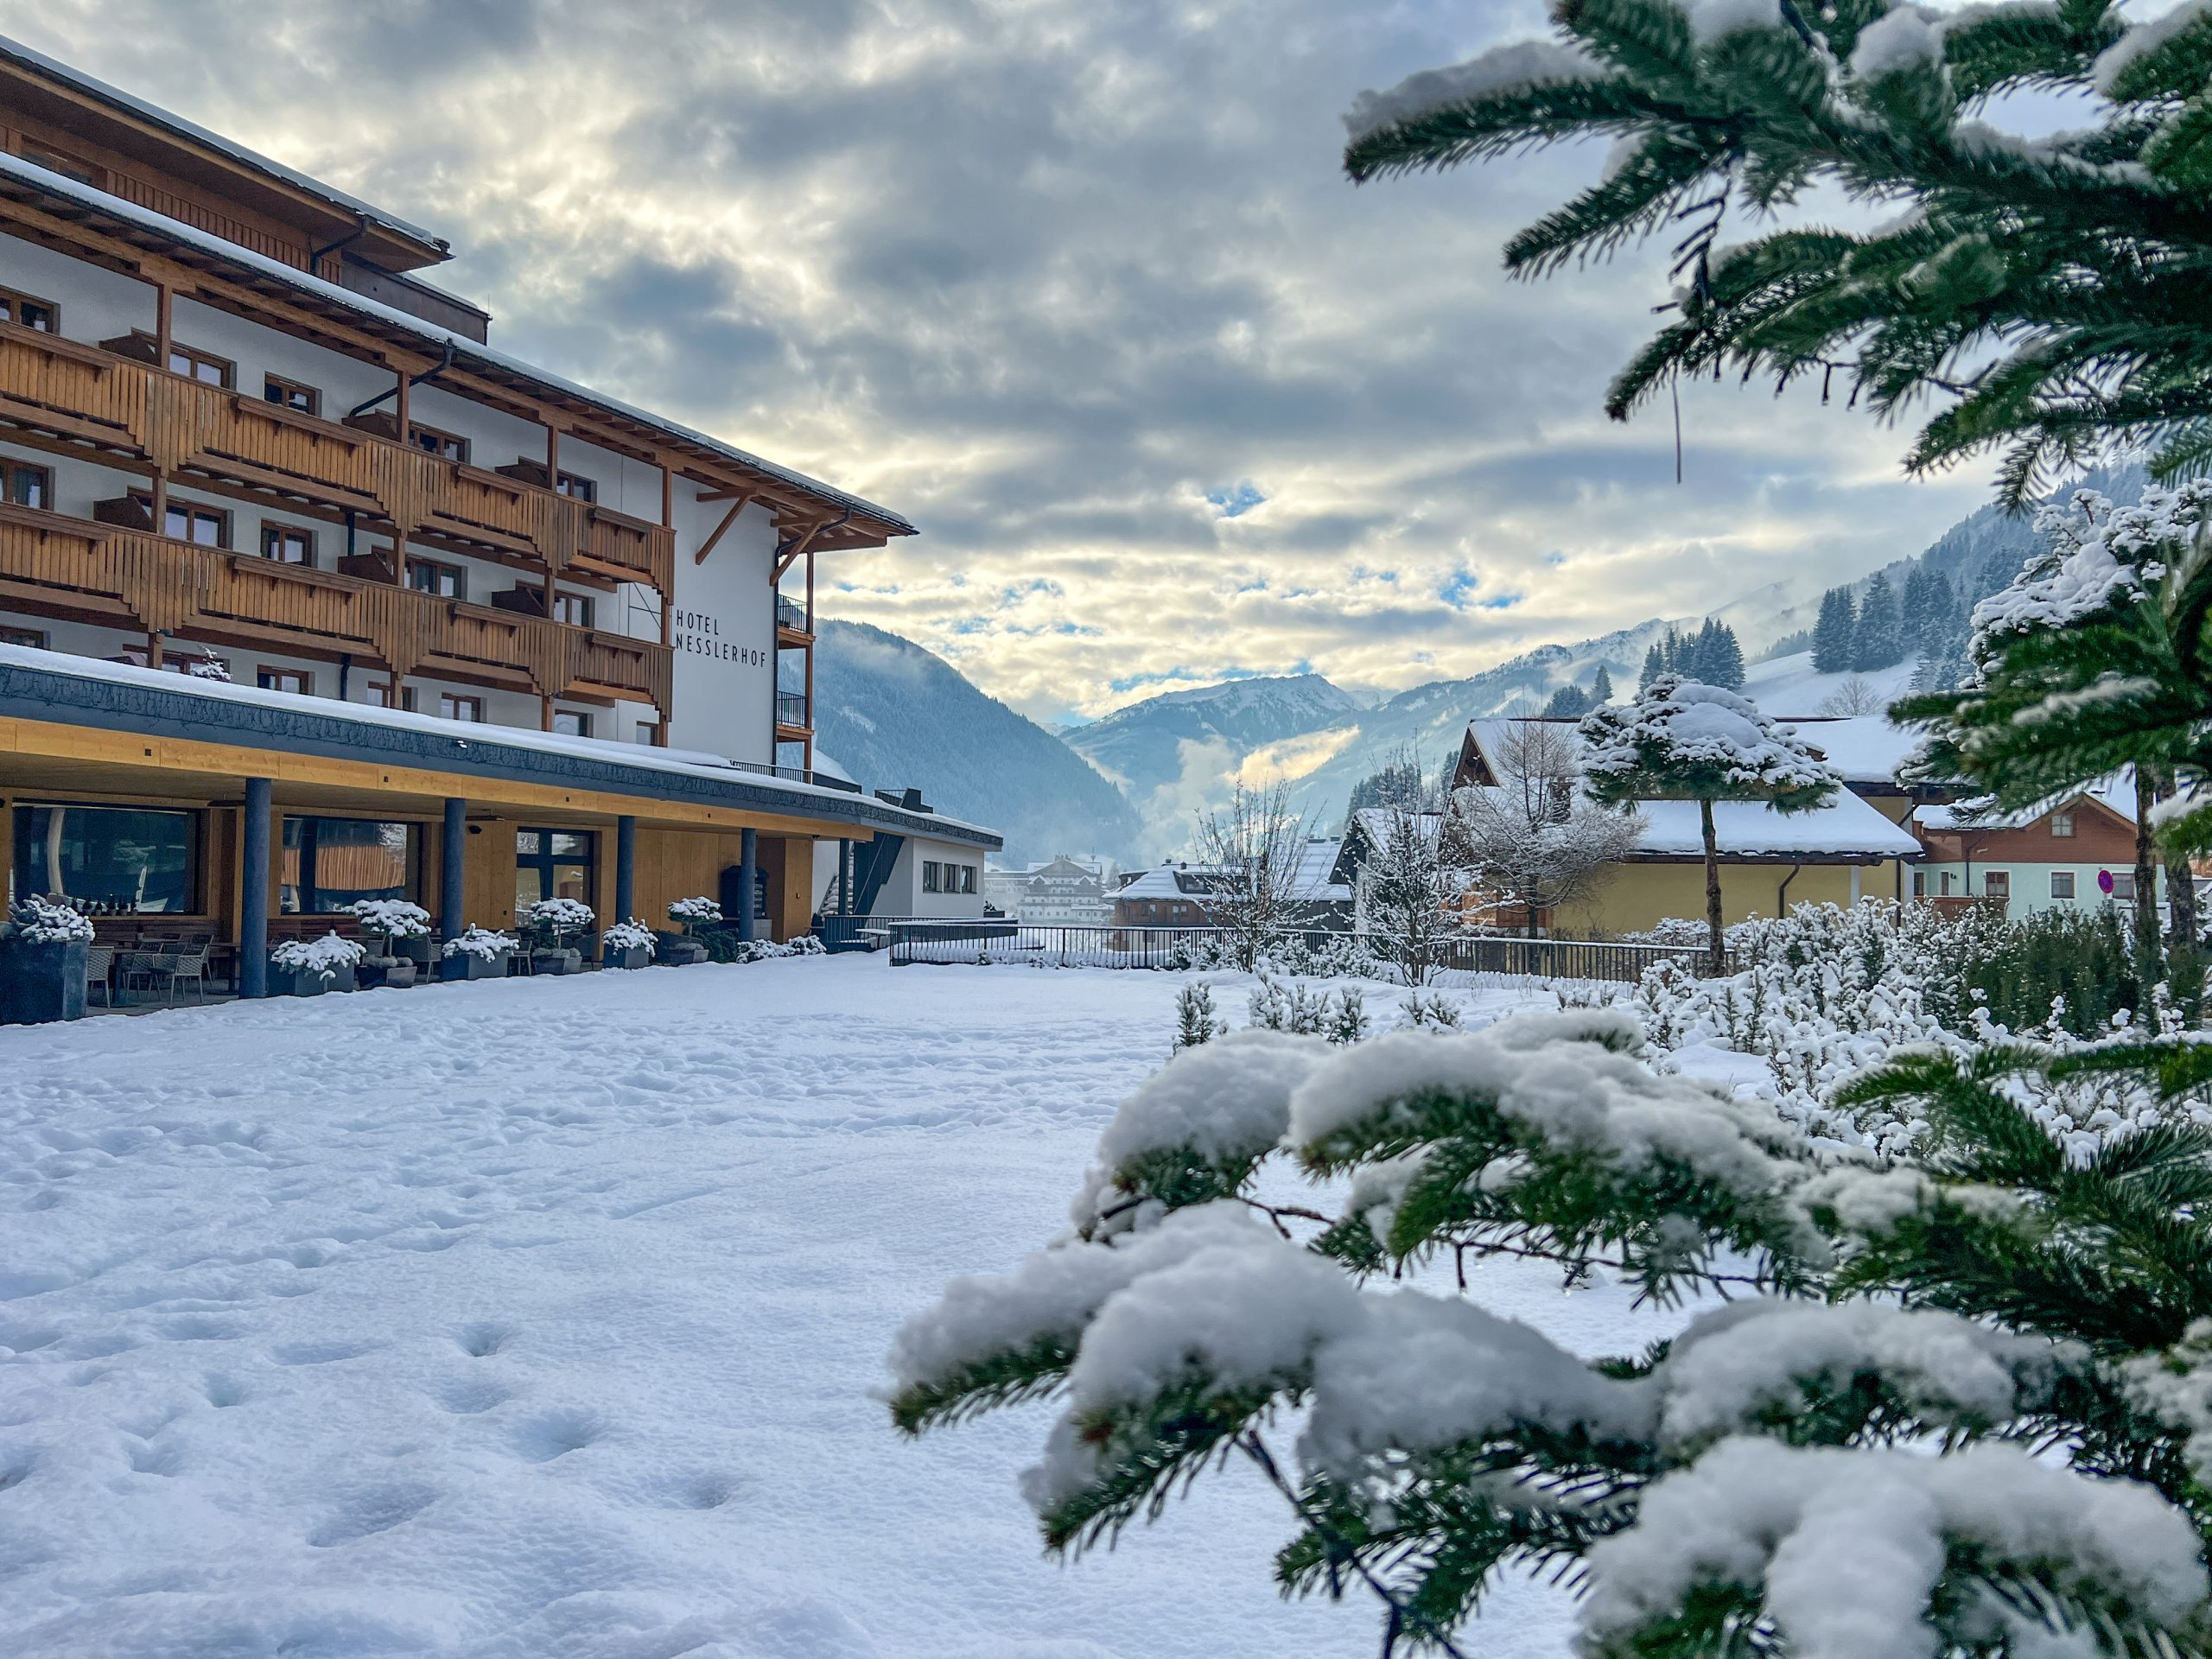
390	918
1196	1021
1914	1442
35	921
324	957
1431	1009
482	942
629	936
692	914
556	920
768	951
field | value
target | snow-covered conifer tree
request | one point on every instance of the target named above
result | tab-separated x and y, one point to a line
1835	634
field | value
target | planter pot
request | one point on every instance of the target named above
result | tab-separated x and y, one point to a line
556	961
677	952
308	982
40	982
422	952
465	965
394	973
636	956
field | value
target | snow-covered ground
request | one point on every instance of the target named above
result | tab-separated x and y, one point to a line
1788	687
541	1319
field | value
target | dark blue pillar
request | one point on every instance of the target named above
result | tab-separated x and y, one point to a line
452	866
749	873
626	868
253	882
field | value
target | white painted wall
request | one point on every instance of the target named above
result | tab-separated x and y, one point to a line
96	303
724	632
902	895
2030	885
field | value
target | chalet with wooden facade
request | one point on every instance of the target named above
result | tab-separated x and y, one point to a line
309	592
2063	855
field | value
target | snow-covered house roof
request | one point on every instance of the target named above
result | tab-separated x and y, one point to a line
1312	880
1847	829
1866	749
2115	794
465	350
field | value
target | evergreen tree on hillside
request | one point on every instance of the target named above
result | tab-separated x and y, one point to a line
1835	642
1719	657
1926	611
1601	688
1570	702
1655	664
1397	783
1879	640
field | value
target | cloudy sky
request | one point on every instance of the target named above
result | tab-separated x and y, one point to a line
1079	287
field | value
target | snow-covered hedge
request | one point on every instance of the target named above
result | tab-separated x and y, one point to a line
324	956
480	942
557	919
767	950
629	936
37	922
390	918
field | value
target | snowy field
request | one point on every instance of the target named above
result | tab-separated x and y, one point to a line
541	1319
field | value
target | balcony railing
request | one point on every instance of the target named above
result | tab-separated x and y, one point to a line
792	616
50	563
792	710
85	396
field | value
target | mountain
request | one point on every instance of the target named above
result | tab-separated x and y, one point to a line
896	716
1152	744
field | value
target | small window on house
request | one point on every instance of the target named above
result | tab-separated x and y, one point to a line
62	162
453	707
377	693
446	446
190	522
300	399
23	309
444	580
967	878
1997	884
203	367
2062	824
575	609
287	545
2061	884
1920	884
298	680
566	724
932	874
578	488
2123	886
648	733
1946	885
33	637
28	485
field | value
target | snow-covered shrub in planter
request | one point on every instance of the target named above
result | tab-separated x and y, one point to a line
42	954
692	914
692	917
477	953
548	925
310	967
388	921
626	945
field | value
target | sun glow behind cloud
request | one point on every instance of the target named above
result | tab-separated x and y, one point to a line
1080	289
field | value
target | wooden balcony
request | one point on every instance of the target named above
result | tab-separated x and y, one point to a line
62	394
59	566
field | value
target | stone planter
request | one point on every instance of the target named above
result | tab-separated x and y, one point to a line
40	982
679	951
636	955
467	965
556	961
308	982
391	973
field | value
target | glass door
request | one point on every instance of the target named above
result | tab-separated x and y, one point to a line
553	864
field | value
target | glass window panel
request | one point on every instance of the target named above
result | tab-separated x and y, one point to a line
566	845
528	840
330	863
109	861
528	887
572	882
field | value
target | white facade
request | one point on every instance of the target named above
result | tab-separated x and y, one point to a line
2031	888
724	632
920	886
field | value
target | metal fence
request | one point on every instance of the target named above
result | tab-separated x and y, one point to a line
923	940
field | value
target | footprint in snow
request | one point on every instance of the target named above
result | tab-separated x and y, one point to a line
554	1434
482	1340
370	1513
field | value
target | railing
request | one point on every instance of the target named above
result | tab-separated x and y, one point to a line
790	709
156	418
928	940
792	615
161	585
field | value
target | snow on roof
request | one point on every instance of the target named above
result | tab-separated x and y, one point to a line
1846	828
464	349
230	146
2116	794
1317	860
1865	748
687	762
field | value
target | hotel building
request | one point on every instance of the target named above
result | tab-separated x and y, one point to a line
309	592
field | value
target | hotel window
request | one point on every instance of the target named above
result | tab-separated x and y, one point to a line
553	864
649	733
1997	884
444	580
575	609
28	485
30	313
453	707
375	694
299	682
444	445
2061	884
576	488
62	162
2062	824
187	522
932	876
330	863
286	545
966	873
566	724
203	367
110	860
33	637
300	399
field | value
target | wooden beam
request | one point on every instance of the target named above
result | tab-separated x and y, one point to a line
786	554
722	529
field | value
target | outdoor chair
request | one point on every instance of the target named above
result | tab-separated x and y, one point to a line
100	969
138	970
190	964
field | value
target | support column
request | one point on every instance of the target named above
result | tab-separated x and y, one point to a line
452	866
748	870
844	877
626	868
253	884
